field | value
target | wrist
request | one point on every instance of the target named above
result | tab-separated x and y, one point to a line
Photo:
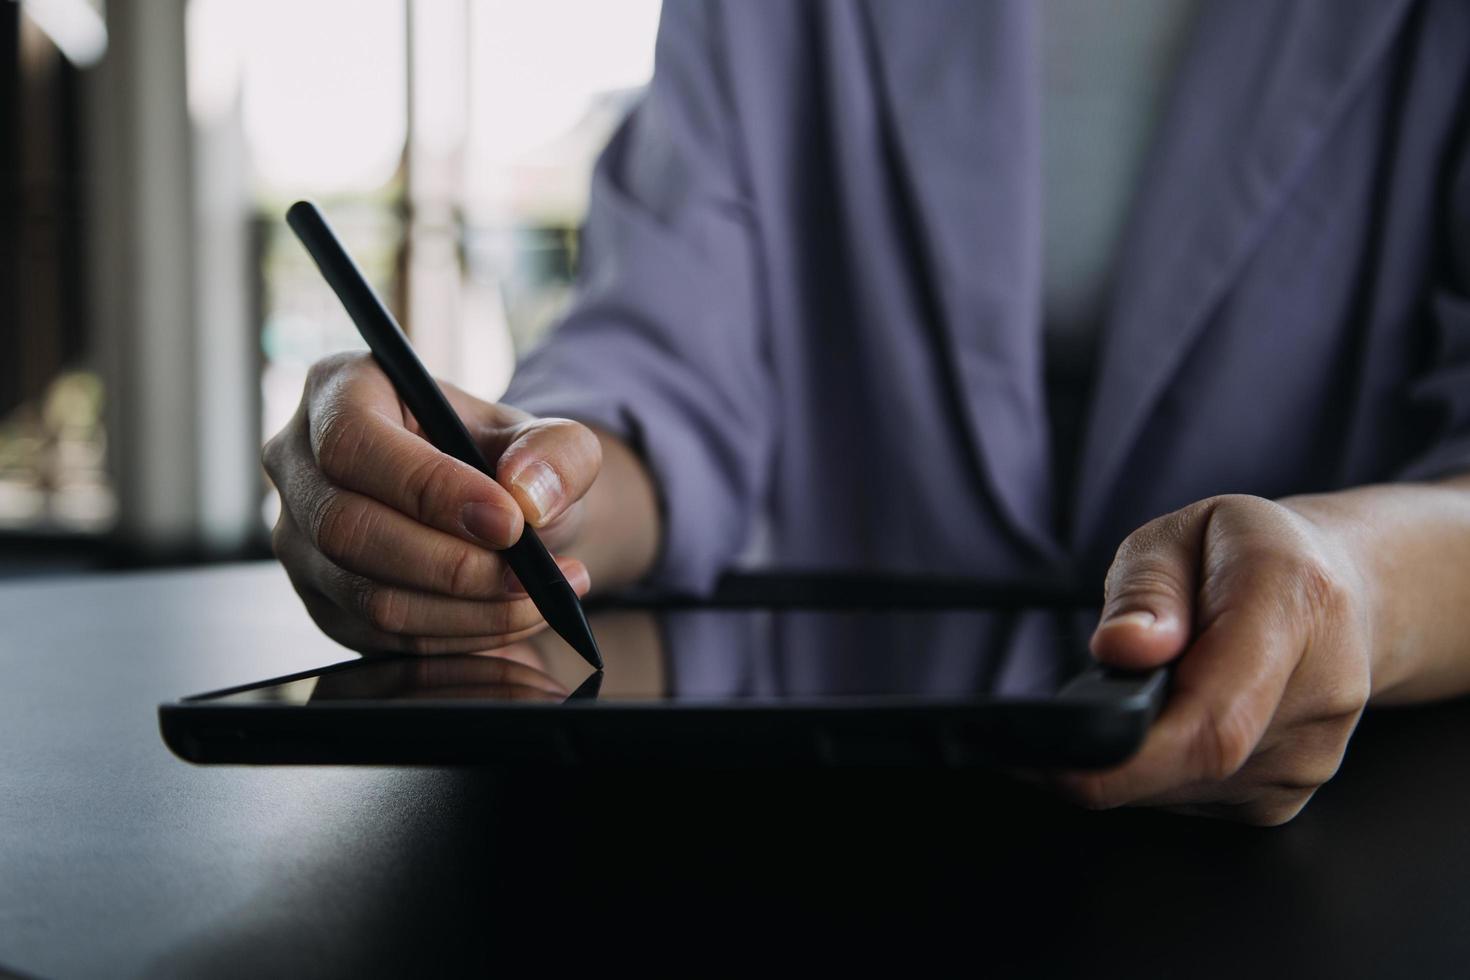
1352	548
1411	542
621	532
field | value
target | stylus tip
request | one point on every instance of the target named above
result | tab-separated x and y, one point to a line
570	623
586	645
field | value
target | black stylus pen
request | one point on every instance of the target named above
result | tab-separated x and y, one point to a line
528	557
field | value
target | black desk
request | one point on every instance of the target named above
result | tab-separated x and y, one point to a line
117	859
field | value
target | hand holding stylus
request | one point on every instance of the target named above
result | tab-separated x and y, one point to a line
393	545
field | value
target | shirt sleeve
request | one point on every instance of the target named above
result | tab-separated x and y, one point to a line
663	343
1444	389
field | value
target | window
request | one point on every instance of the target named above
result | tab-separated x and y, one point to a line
449	141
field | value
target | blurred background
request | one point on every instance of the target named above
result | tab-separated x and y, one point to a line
156	316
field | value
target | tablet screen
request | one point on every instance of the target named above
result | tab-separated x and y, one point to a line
735	655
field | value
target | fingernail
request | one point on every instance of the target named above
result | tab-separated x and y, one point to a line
489	523
1140	620
540	489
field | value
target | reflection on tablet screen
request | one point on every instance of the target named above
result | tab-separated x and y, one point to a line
725	655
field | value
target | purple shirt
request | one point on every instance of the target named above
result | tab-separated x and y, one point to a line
811	282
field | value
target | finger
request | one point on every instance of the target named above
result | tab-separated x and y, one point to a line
1223	695
397	611
405	612
547	465
1291	766
1147	615
354	634
359	441
378	542
505	425
1304	756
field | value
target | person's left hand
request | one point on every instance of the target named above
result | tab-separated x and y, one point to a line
1268	620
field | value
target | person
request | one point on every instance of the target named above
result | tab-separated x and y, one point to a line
836	286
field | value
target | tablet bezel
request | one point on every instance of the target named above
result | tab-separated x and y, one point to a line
1097	719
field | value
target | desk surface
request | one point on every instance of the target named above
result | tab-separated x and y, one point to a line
117	859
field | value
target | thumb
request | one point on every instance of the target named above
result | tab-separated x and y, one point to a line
1150	589
548	465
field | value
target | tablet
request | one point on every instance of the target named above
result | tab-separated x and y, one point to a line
706	686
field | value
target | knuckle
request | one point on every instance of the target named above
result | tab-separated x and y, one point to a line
571	449
386	608
322	368
338	439
421	646
1131	546
500	618
1226	743
326	368
1277	812
1346	697
467	572
1233	510
270	456
319	513
1139	568
337	525
280	546
1319	588
590	445
319	371
1311	775
351	530
1140	582
579	443
517	616
1234	501
424	482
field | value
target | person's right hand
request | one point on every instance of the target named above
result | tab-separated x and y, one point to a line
392	544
